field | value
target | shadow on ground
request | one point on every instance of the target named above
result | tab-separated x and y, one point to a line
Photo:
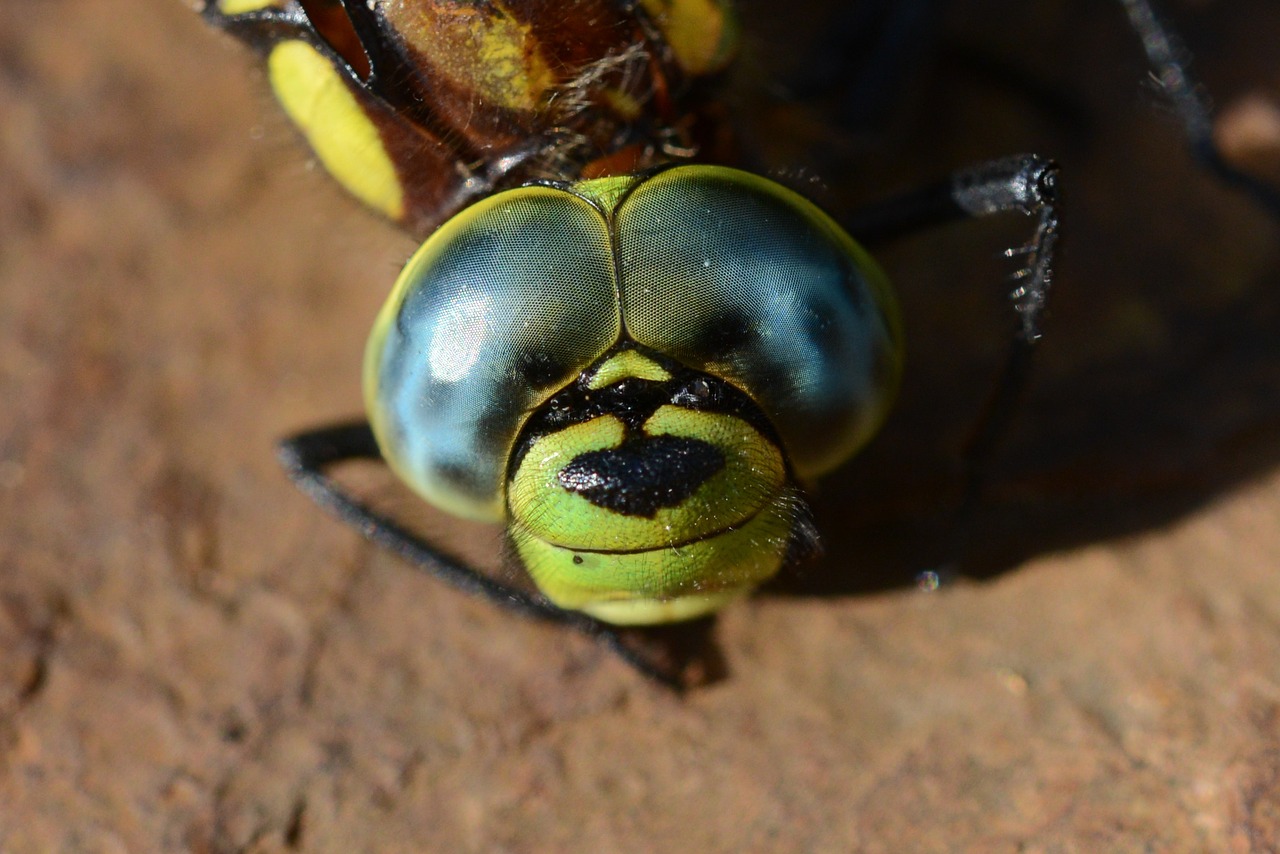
1158	382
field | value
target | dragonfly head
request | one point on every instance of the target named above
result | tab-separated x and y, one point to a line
634	374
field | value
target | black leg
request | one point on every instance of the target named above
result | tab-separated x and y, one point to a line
308	456
1169	58
1025	184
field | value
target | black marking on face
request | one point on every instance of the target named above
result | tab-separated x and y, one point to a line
634	400
641	477
698	394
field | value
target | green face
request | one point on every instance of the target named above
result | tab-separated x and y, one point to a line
630	373
645	494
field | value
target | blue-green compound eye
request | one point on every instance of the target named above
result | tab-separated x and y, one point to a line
631	373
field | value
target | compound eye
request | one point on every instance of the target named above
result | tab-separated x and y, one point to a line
740	278
498	310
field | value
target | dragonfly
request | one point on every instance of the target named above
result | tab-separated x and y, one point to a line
612	341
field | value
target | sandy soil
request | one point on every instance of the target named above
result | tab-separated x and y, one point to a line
194	658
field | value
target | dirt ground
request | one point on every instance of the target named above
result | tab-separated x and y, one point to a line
193	657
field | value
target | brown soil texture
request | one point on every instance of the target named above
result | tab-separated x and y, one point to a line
193	657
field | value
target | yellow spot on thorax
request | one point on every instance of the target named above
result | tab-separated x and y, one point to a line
318	100
241	7
701	33
481	48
